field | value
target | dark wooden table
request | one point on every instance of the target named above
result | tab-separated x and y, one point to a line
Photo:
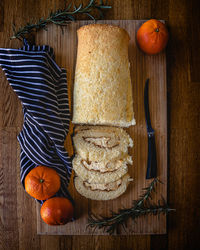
17	210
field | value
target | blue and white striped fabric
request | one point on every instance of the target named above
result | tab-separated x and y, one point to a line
42	88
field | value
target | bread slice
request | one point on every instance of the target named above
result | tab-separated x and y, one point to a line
102	192
102	143
101	172
101	166
102	86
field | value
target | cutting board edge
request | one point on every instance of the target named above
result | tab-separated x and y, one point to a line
166	152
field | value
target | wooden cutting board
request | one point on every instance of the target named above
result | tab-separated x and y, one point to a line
64	43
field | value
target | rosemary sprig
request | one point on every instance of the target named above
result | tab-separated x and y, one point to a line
141	207
62	17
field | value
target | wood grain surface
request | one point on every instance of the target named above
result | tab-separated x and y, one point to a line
142	67
18	229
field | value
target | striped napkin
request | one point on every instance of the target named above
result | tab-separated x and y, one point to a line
42	88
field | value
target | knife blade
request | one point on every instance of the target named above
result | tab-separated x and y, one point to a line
151	160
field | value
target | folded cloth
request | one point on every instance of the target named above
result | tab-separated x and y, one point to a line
42	88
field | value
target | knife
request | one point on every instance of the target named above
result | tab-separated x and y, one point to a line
151	160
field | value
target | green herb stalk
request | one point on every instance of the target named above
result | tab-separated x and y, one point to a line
140	207
62	17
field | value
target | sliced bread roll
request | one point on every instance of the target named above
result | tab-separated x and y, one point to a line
102	86
102	191
102	143
101	172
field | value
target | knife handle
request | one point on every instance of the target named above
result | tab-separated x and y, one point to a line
151	161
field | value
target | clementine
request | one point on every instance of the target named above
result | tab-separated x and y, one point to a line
57	211
152	37
42	182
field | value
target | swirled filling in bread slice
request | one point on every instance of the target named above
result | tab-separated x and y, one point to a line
107	191
107	187
101	166
101	161
102	143
101	172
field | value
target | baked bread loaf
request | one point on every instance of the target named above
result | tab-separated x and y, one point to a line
102	143
102	86
107	191
100	172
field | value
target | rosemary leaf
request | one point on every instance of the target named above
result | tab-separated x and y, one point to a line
62	17
140	207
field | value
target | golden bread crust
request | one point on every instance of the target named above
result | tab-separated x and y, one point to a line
102	87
